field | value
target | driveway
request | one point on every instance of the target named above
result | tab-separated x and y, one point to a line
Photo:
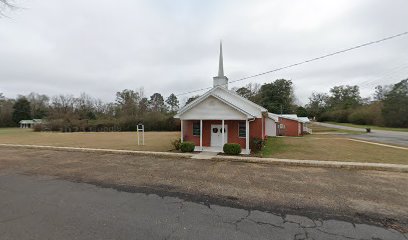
389	137
41	207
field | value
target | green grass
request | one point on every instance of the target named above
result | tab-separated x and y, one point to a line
274	145
333	148
370	126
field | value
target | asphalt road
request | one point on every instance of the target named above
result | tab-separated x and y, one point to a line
389	137
39	207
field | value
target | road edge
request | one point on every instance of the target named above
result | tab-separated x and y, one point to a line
273	161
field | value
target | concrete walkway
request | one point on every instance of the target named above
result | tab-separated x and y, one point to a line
275	161
205	155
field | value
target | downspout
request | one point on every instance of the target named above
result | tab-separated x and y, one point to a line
251	120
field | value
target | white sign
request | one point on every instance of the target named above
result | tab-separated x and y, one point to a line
140	129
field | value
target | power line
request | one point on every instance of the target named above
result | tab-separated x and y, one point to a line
401	69
305	61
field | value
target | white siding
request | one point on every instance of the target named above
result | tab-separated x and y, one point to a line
212	108
270	127
240	102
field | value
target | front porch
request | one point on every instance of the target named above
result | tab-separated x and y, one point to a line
211	135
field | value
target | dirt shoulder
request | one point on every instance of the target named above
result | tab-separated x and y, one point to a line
361	196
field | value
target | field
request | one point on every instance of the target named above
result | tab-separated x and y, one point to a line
154	141
370	126
330	146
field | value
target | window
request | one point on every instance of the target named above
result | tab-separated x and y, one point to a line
242	129
196	129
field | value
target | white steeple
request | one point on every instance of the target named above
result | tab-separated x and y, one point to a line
220	80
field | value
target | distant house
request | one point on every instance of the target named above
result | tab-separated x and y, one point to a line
222	116
305	124
29	123
289	125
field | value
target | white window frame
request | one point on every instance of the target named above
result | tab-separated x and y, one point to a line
243	122
199	128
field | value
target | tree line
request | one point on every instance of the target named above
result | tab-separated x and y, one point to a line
387	107
85	112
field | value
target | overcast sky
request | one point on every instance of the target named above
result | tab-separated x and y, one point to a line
100	47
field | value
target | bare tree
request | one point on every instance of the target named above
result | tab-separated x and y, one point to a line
39	104
4	5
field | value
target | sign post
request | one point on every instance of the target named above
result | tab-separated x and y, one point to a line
140	129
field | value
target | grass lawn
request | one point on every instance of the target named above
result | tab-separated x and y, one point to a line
315	147
331	148
155	141
370	126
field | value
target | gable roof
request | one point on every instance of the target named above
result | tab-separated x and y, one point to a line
289	116
273	116
26	121
294	117
304	119
29	121
228	97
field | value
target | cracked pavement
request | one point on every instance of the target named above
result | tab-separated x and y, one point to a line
40	207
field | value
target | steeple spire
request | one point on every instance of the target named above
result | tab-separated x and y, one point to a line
220	80
221	63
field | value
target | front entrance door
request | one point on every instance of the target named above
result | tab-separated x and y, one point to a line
216	135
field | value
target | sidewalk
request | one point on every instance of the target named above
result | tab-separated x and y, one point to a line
273	161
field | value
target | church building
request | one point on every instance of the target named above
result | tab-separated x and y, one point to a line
222	116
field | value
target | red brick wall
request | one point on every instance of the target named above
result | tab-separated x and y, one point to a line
291	127
255	130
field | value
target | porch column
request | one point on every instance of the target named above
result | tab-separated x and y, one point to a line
223	130
181	126
201	134
247	136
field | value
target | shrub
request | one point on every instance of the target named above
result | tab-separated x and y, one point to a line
256	144
367	114
187	146
336	116
232	148
37	127
176	143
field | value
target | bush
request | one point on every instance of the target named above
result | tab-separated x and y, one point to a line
367	114
336	116
37	127
256	144
232	148
176	143
187	146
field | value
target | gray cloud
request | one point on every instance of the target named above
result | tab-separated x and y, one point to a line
100	46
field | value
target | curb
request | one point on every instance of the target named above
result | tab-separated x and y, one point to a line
100	150
320	163
273	161
378	144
